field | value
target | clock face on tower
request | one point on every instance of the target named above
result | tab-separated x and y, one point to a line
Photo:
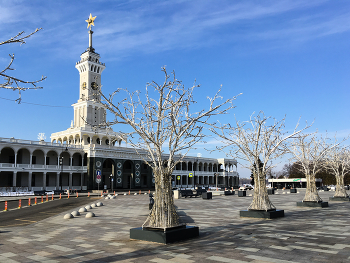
94	85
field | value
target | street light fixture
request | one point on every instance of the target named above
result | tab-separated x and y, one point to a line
111	177
216	180
194	174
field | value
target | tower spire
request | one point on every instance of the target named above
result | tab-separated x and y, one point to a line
90	22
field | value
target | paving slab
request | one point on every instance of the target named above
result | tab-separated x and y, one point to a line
304	235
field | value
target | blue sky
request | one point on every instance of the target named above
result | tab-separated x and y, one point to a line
287	57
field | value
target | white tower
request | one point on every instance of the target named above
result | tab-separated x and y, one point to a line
88	111
88	126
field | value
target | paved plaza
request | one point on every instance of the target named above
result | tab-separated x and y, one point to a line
303	235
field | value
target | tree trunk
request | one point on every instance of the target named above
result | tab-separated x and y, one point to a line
163	214
340	189
311	194
261	199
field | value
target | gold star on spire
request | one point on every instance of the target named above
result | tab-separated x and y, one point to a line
90	21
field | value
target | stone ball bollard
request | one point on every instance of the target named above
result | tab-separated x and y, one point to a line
107	197
99	204
75	213
68	216
89	215
93	205
82	209
113	197
88	207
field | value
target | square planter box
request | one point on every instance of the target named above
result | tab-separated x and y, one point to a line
293	191
170	235
262	213
207	195
270	191
242	193
312	204
337	198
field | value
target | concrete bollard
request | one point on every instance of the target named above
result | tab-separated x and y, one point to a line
82	209
75	213
68	216
89	215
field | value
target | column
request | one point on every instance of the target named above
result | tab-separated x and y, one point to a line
31	160
29	181
15	159
14	179
70	180
58	181
44	181
71	161
82	180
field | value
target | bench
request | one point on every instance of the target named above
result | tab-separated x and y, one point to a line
186	193
200	191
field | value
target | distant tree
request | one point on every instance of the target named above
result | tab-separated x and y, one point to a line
256	142
164	128
310	151
287	170
338	163
296	171
11	82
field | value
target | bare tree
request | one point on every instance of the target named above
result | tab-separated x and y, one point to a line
338	163
256	143
310	152
163	122
11	82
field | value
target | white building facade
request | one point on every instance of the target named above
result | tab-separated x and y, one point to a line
88	155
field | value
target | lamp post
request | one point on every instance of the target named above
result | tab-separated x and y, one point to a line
194	175
131	179
216	174
61	164
111	177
